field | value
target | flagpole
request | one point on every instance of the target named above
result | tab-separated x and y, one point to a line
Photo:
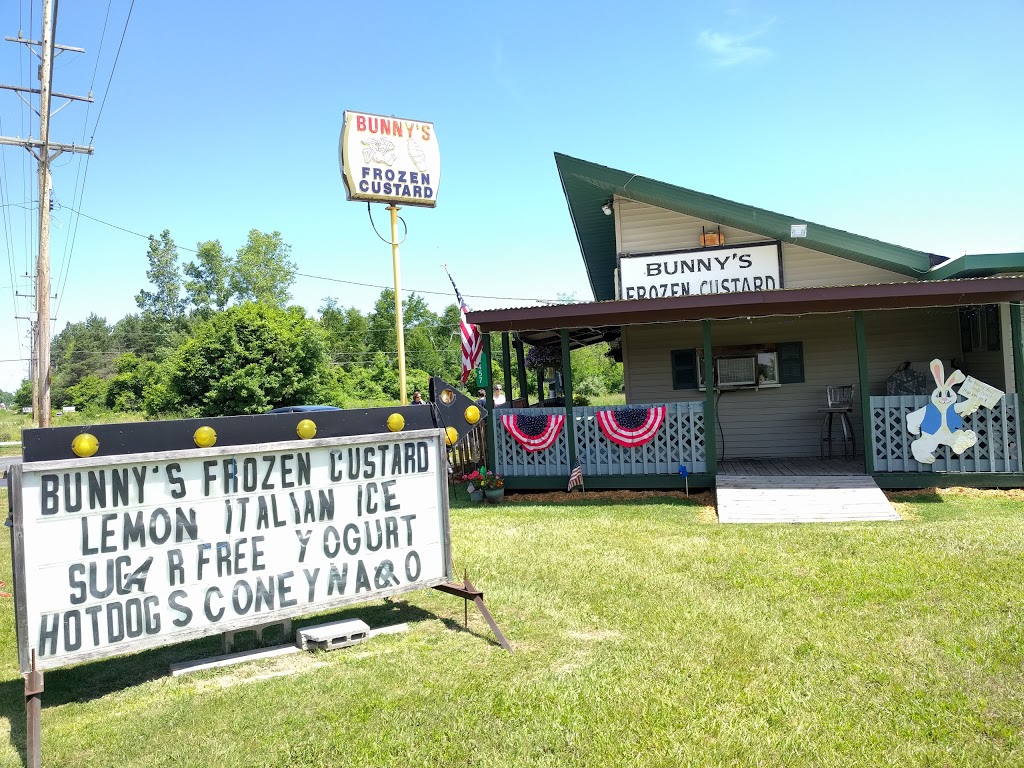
399	325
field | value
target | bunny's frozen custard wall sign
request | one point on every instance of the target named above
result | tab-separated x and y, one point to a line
940	422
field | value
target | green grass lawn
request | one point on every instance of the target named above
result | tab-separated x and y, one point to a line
645	635
615	398
12	423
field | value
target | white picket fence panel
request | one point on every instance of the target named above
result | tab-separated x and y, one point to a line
680	440
997	449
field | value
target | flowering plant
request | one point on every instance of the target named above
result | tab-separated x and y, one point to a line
544	357
492	480
473	480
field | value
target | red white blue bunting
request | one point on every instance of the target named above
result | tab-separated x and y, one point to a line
534	432
630	427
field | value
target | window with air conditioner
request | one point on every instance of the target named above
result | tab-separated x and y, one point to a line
736	371
758	365
749	370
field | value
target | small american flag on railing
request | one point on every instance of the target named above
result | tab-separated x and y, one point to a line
576	477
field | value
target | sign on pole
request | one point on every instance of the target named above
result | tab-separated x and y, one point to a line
120	553
396	161
390	159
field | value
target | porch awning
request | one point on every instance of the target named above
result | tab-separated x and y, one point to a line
725	306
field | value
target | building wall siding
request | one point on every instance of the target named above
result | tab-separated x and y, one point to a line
785	421
986	366
646	228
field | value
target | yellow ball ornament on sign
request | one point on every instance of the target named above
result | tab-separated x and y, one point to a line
472	414
85	445
306	429
205	437
452	435
396	422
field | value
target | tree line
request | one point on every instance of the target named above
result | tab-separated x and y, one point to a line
216	336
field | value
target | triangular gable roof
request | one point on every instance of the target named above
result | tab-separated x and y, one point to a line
588	186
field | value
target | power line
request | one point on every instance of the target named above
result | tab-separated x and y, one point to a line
114	67
78	194
330	279
418	290
129	231
8	240
92	137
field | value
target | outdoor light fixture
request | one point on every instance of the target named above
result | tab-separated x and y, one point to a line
607	208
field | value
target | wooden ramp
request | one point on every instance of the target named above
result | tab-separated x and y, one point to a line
800	499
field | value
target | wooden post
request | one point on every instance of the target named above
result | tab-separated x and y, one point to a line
710	440
524	385
570	422
491	418
865	393
1018	352
506	367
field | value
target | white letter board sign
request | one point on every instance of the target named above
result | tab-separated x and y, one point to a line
732	269
122	553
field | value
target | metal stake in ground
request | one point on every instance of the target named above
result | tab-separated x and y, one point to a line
467	592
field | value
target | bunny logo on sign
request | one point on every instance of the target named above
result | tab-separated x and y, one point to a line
940	422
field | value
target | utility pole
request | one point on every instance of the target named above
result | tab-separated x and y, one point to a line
45	152
42	356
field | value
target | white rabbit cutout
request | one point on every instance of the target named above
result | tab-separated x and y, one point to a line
939	422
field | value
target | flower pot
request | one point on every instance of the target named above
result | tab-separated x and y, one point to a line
476	495
494	495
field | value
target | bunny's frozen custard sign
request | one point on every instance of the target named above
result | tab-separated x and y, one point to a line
940	423
137	551
733	269
390	159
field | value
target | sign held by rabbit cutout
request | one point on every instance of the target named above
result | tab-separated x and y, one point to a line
940	422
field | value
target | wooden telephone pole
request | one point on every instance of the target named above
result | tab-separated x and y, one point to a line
45	152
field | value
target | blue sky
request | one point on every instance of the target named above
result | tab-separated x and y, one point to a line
899	121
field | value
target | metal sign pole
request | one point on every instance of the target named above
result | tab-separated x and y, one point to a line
399	325
33	716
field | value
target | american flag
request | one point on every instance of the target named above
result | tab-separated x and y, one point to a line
472	345
576	477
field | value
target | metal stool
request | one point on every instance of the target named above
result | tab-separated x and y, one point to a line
840	401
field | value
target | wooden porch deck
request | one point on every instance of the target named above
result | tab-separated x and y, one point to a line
802	467
796	499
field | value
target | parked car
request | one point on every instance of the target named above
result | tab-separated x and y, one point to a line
303	408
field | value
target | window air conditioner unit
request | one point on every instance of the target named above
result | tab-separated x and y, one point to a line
736	371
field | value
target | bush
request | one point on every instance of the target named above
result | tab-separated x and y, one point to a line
23	397
248	359
89	394
591	386
128	387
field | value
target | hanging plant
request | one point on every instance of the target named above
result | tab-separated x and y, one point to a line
544	357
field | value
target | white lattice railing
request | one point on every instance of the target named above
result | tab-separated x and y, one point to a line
514	460
680	440
997	449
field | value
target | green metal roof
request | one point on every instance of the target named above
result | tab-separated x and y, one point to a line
588	186
979	265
